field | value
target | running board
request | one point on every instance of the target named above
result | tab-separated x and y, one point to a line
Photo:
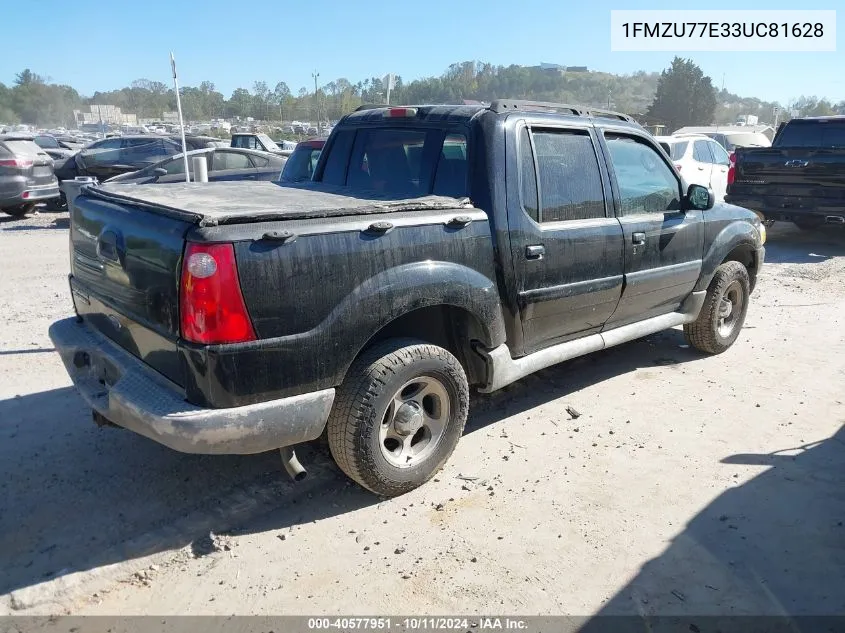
502	370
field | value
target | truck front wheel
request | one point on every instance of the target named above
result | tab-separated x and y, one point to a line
721	318
398	415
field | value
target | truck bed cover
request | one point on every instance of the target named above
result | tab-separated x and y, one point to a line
211	204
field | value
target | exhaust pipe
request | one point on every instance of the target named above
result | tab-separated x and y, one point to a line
835	219
291	464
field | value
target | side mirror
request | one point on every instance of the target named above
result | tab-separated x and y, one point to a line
159	171
700	198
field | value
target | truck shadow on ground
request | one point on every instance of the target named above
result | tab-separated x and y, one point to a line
77	497
787	244
772	546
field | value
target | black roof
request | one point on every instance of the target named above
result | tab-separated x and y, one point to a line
453	113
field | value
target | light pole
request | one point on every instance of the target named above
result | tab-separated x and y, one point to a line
316	75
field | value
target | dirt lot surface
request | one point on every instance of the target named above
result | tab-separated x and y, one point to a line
688	485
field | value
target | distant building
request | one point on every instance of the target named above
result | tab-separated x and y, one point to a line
105	114
558	68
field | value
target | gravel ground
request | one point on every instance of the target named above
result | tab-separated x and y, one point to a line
689	484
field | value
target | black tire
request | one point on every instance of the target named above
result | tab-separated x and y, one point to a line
705	333
20	210
367	395
57	204
808	224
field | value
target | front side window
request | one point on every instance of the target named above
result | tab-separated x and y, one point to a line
570	180
701	152
720	155
230	160
646	183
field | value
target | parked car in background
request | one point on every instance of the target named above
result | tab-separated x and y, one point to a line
700	160
799	179
734	136
55	148
228	163
26	176
250	140
111	157
303	160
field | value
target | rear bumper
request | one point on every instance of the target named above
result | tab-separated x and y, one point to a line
128	393
788	208
30	194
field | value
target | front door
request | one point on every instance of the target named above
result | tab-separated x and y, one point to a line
663	244
702	169
719	177
565	243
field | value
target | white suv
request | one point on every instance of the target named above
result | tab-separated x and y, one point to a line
700	160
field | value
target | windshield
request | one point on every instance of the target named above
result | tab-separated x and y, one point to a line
268	143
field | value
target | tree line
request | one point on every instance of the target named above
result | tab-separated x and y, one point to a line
680	95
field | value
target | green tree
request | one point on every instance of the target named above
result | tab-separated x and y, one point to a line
684	96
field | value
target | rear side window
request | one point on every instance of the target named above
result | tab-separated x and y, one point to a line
569	176
678	150
451	176
230	160
813	134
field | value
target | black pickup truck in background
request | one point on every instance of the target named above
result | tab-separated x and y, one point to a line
800	178
438	249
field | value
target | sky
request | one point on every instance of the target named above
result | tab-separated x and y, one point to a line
104	45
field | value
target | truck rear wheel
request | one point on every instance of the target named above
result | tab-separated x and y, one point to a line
721	318
398	415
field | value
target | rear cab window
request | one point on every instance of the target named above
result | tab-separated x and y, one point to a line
822	133
400	161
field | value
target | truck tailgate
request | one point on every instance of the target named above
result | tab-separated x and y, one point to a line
814	173
125	268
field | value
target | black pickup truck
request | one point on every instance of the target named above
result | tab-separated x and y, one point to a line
800	178
440	248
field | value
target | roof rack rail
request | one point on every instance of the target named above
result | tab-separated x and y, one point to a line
508	105
371	106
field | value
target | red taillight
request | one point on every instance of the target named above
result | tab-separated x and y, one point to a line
212	308
732	169
400	112
15	162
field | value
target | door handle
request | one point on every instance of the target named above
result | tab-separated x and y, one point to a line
701	169
638	239
535	252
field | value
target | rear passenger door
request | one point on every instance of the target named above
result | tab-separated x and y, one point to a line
566	246
719	176
663	244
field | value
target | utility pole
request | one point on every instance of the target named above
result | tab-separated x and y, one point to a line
316	75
